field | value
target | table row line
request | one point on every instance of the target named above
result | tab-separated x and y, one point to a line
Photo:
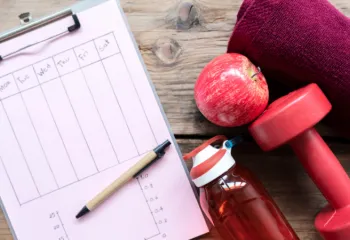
59	65
71	127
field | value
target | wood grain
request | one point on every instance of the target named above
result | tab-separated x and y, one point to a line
175	49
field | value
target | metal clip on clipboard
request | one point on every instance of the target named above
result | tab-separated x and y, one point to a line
30	26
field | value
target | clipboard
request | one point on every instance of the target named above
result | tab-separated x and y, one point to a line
187	225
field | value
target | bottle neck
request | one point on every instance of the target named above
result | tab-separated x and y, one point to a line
223	176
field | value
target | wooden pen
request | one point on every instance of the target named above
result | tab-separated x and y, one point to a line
133	172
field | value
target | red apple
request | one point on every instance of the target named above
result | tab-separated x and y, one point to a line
231	91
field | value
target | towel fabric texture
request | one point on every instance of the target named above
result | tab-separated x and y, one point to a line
299	42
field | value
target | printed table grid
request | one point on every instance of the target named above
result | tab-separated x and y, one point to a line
69	117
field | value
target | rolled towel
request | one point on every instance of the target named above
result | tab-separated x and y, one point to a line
298	42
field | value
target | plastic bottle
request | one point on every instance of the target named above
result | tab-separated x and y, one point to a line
238	204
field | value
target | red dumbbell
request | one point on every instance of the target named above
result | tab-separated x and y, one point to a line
290	119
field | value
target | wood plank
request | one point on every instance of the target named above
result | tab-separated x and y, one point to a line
174	54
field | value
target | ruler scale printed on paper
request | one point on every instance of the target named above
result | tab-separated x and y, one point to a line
75	113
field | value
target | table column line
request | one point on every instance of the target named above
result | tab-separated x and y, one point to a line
82	179
76	117
95	105
20	148
137	93
53	119
36	133
115	96
21	91
149	208
8	176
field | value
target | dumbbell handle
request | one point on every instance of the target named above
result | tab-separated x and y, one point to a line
323	167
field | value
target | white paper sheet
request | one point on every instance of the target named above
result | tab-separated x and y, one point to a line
75	113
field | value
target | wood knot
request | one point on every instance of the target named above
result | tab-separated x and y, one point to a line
167	50
187	16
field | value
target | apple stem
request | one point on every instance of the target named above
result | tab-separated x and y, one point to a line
259	71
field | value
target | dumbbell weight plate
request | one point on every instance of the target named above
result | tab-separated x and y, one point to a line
334	224
289	116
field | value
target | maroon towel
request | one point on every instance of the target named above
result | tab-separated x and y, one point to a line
298	42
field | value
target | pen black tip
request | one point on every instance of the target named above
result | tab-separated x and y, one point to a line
161	148
82	212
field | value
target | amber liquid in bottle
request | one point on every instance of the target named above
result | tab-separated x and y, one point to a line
241	208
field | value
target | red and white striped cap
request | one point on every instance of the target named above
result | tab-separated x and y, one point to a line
210	162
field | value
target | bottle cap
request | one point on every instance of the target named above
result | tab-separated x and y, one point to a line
210	162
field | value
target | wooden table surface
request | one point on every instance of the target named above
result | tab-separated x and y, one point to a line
175	54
